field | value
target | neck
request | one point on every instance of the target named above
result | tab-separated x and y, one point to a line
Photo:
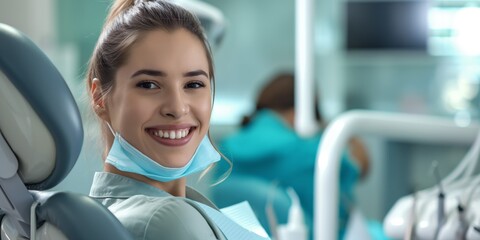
176	187
288	116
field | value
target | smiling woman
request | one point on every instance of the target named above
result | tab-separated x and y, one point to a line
151	85
164	80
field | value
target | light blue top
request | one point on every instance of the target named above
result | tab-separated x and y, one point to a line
150	213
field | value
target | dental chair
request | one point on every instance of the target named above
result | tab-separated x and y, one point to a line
41	137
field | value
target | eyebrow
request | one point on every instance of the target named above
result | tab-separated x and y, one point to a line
157	73
150	72
196	73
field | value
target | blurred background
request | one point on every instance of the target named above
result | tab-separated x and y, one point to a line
420	57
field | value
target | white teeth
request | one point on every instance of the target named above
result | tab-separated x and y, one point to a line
172	134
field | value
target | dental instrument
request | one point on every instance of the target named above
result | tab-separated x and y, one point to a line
408	127
441	201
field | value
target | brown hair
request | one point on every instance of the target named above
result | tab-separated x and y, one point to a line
278	95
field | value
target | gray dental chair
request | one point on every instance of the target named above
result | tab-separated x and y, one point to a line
41	137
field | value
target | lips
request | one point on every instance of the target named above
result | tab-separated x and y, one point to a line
172	136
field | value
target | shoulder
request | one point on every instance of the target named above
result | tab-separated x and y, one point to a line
166	217
178	219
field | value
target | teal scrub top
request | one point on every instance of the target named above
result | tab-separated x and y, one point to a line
269	148
150	213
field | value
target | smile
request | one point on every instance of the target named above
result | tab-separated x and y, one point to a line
171	134
172	137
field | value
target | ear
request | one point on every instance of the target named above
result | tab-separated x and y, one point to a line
98	101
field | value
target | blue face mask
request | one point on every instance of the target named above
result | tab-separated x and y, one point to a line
127	158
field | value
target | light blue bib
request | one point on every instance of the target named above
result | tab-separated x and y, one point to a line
230	228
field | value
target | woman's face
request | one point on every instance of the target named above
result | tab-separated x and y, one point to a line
161	100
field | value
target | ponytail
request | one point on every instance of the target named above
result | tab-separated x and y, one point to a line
117	8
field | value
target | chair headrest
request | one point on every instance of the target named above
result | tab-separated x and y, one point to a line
39	118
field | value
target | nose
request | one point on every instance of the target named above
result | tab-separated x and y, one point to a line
174	105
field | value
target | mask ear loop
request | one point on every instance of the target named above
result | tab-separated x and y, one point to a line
111	129
224	176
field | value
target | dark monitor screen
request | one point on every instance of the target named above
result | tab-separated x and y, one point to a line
386	25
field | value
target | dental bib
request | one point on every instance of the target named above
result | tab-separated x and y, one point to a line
127	158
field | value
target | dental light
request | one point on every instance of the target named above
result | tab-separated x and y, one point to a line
211	18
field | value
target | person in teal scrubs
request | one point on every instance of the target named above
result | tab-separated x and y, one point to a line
267	147
151	83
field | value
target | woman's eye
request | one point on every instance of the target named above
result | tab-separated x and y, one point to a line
195	85
147	85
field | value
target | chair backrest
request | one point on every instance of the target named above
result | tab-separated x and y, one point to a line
41	137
